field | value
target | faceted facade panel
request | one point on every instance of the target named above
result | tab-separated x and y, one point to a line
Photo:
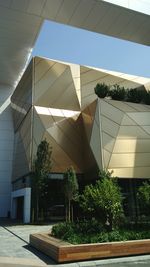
56	101
21	100
125	138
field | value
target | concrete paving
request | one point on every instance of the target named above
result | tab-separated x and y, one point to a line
137	261
14	243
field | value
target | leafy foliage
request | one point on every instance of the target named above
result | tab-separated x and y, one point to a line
136	95
103	199
117	92
71	191
94	233
41	170
144	194
101	90
147	98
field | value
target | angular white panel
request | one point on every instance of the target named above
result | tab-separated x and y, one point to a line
88	116
38	129
110	111
48	80
47	120
139	107
129	160
146	128
136	172
95	142
64	101
107	157
75	70
129	132
132	146
89	75
110	127
108	142
141	118
123	106
42	66
127	121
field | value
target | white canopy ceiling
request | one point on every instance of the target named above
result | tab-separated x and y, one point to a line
20	22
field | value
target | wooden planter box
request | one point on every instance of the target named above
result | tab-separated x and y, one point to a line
62	251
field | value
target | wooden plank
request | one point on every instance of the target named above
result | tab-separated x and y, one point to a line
62	251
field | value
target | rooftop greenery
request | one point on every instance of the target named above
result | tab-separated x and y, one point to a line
116	92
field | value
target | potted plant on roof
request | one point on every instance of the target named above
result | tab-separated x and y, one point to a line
101	90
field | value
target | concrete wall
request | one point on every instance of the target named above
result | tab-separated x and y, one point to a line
6	150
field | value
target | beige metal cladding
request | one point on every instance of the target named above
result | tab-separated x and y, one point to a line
55	84
57	112
22	148
84	131
21	100
126	138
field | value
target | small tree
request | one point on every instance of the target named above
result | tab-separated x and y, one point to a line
104	198
117	92
144	195
101	90
41	170
71	191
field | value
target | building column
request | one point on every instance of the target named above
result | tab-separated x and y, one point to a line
26	194
27	206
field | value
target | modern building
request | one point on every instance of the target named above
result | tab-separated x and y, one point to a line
56	101
84	117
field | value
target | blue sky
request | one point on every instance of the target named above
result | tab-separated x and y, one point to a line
57	41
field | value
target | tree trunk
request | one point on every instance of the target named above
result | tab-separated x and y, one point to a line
69	212
66	213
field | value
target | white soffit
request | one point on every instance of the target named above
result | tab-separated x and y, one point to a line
20	22
142	6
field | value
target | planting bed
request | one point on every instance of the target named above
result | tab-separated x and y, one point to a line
62	251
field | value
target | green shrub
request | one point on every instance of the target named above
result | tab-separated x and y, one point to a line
89	227
115	236
103	199
75	233
117	92
143	195
136	95
76	239
63	230
101	90
147	98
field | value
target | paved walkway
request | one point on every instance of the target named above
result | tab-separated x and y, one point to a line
14	243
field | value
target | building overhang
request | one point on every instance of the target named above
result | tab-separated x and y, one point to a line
21	21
